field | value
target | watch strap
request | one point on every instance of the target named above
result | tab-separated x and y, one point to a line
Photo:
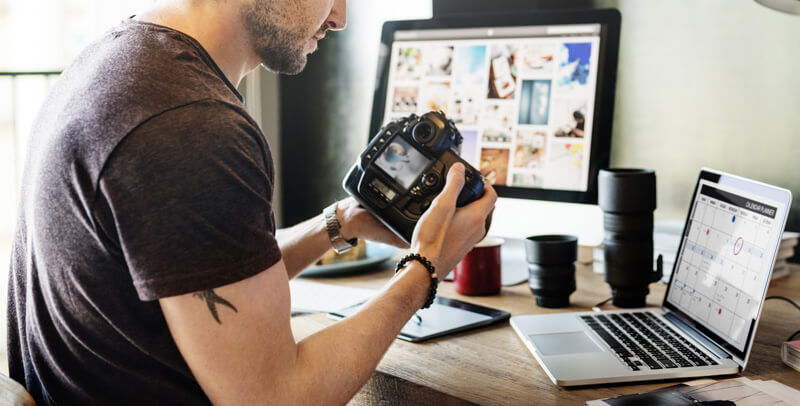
334	228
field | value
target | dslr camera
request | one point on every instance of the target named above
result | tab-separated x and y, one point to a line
405	167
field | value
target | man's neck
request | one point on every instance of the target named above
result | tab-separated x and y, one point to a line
217	27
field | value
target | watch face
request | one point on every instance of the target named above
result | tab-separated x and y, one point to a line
340	245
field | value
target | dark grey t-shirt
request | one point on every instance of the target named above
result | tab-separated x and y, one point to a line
145	178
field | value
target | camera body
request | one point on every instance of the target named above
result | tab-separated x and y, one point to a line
404	168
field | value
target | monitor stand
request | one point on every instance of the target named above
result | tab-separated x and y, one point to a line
516	219
521	218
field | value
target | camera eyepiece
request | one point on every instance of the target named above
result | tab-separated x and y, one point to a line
423	132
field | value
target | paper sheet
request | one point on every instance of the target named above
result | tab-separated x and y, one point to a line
742	391
320	297
777	390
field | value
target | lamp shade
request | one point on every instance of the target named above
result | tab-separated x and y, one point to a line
784	6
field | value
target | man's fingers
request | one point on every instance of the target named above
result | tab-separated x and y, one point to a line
455	182
487	201
444	205
489	198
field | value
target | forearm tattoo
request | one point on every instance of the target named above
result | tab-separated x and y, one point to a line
211	300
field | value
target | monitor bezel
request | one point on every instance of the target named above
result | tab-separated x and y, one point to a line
777	194
609	20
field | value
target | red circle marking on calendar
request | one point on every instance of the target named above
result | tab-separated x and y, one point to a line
737	246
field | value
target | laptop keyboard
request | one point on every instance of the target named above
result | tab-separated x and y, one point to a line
642	341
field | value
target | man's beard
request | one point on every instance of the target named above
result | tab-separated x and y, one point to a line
279	49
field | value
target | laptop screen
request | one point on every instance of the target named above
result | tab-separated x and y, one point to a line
726	255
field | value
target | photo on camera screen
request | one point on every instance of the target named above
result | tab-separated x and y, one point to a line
402	162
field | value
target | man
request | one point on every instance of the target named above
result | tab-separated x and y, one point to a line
146	268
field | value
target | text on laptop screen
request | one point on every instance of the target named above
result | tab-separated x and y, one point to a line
522	97
723	268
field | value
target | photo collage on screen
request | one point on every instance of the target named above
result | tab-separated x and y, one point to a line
523	105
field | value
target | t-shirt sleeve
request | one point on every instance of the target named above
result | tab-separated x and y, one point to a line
190	196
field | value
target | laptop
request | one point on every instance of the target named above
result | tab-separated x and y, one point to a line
707	322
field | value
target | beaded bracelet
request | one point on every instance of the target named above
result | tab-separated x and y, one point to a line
427	264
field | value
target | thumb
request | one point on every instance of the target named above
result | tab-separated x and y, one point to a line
455	182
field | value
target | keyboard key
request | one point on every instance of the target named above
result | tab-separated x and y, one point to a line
641	340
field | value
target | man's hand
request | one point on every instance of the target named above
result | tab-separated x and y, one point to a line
304	243
357	222
445	233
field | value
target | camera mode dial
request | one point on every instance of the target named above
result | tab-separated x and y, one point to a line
430	180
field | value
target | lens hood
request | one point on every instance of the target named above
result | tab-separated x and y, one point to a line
551	249
626	190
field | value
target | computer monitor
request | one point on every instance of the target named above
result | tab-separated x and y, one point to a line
531	93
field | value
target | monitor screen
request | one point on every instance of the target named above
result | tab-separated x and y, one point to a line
724	263
523	97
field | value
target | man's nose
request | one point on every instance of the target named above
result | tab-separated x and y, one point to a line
337	20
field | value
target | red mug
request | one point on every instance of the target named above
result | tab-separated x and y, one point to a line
478	274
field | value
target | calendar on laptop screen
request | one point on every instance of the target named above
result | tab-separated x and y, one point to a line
725	261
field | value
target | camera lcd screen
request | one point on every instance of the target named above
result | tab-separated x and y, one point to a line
402	162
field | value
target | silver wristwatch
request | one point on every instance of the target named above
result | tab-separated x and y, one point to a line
340	245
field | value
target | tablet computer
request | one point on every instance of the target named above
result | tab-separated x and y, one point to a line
445	316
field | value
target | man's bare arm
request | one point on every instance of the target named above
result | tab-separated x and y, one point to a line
303	244
237	340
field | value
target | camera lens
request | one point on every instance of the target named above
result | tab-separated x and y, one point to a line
628	226
628	198
423	132
551	268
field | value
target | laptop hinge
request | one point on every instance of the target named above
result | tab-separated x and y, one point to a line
700	338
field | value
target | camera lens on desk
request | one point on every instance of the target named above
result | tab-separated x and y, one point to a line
551	268
628	199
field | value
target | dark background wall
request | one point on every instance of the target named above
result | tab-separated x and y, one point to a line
449	7
318	118
325	113
701	83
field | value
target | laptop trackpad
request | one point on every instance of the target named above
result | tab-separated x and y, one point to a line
564	343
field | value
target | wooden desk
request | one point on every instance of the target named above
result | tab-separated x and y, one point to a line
491	366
